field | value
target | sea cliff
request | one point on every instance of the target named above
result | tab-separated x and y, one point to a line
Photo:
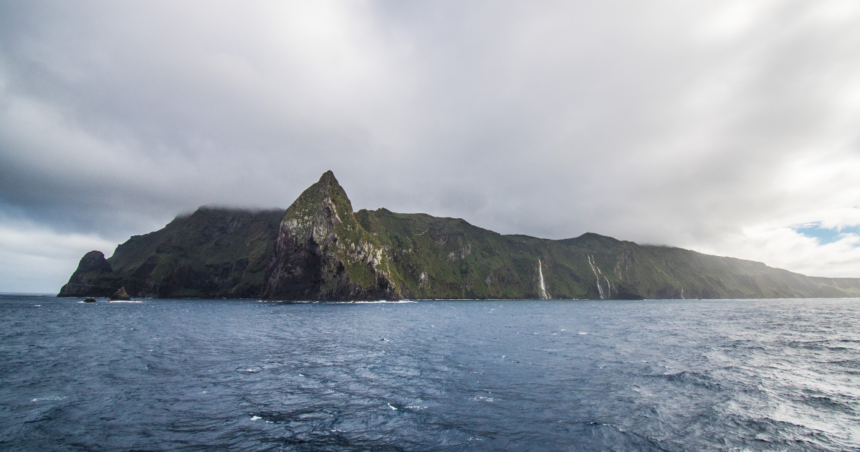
320	249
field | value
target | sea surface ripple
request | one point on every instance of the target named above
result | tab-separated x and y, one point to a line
757	375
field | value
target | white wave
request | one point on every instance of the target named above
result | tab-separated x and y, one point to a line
44	399
256	418
125	301
375	302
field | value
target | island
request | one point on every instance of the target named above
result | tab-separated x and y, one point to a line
320	249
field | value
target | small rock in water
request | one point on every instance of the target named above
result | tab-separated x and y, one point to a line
89	300
120	294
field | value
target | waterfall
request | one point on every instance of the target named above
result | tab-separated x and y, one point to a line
543	294
597	275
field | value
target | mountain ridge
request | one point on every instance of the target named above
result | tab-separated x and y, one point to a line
320	249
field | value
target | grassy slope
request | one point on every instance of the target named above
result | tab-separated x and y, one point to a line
225	253
464	261
213	252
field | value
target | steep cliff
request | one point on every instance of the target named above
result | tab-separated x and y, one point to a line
323	253
319	249
449	258
94	277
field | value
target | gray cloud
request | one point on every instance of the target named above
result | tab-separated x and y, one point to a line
683	123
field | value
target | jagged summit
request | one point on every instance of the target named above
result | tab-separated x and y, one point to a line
326	197
327	187
320	249
323	253
328	178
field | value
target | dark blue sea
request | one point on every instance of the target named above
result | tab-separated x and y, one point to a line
733	375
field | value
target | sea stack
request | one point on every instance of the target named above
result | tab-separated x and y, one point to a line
120	295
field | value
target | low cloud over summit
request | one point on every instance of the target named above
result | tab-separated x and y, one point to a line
724	127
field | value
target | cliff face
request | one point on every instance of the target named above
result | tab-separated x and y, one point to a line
323	253
319	249
93	278
449	258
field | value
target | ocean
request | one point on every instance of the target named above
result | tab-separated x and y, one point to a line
653	375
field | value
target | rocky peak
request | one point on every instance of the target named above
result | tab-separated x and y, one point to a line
326	191
318	210
322	252
94	277
93	262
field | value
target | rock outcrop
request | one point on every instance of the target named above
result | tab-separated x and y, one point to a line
120	294
323	253
94	277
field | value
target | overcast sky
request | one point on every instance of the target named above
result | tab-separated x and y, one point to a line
727	127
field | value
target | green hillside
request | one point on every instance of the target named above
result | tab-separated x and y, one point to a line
212	253
319	249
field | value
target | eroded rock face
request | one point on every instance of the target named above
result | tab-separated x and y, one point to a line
322	253
94	277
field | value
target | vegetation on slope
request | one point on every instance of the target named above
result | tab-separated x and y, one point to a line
319	249
212	253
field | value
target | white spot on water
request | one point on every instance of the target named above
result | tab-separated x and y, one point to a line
389	406
40	399
256	418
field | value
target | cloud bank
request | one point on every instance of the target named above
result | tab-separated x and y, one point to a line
720	126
